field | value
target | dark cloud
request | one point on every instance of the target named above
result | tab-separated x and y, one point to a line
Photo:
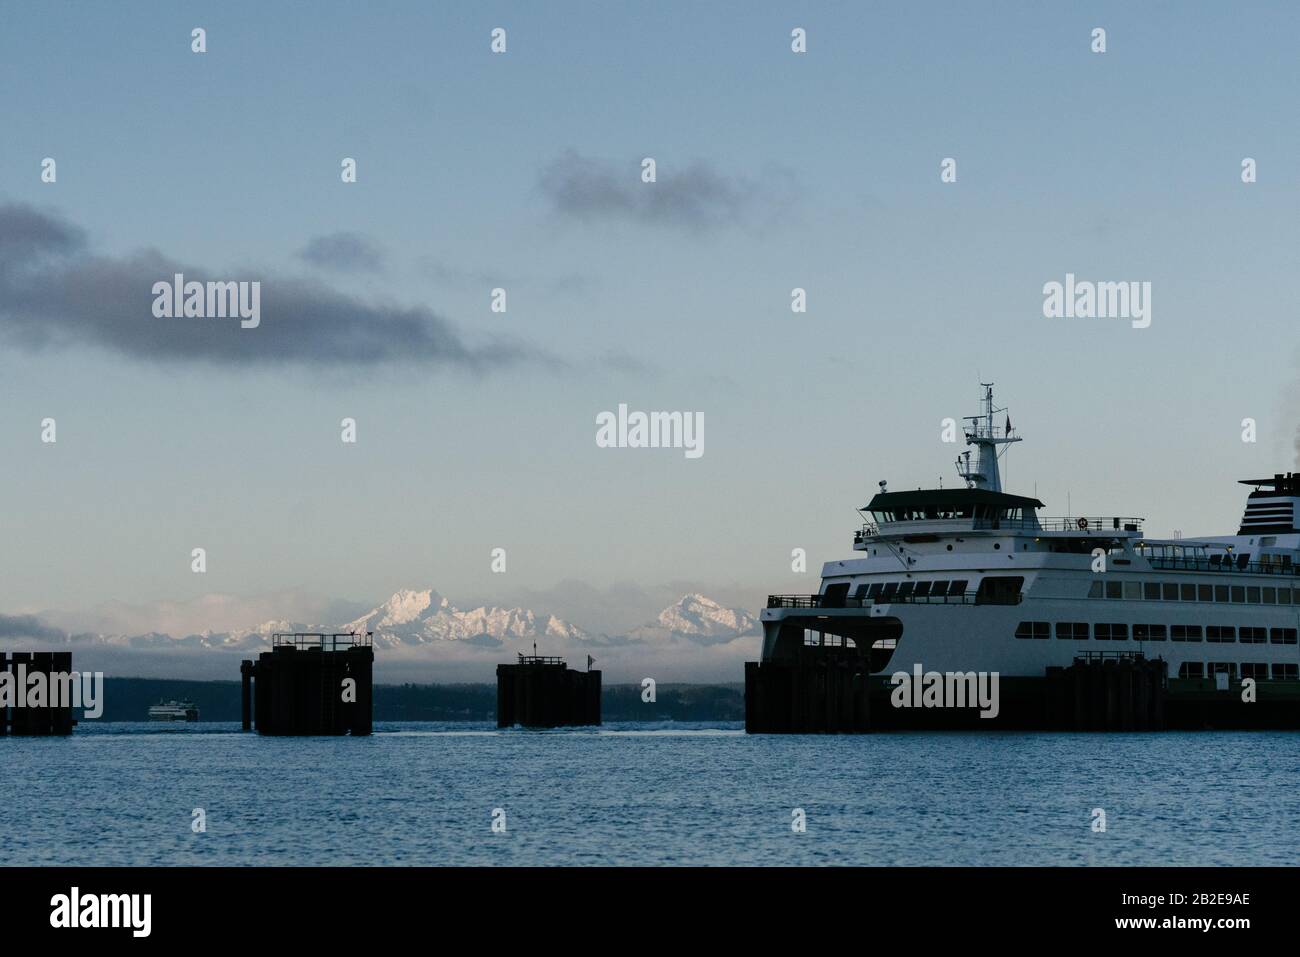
55	293
29	626
696	197
344	252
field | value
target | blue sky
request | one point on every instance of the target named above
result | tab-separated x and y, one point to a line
818	170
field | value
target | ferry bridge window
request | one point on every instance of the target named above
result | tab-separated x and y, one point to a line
1114	590
1282	636
860	592
1269	595
1205	593
1228	668
922	589
835	594
1149	632
1191	669
1133	590
1252	636
1033	629
1220	633
1151	591
1170	591
1110	632
1075	630
1220	592
1284	596
1185	632
1238	594
1252	594
1188	592
939	589
905	590
1095	590
999	590
958	586
888	593
875	590
1286	672
1254	669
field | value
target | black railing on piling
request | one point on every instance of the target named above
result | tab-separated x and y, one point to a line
337	641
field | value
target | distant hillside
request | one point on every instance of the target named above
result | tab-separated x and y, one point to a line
128	699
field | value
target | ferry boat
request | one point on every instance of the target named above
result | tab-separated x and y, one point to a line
174	711
972	578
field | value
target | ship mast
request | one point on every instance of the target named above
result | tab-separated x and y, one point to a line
987	438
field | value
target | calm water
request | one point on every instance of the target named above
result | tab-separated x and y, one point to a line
646	794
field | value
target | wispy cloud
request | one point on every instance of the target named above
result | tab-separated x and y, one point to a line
695	197
344	252
54	292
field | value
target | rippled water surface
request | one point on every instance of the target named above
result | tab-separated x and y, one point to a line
646	794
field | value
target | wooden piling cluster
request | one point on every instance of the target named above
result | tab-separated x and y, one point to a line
46	720
539	692
1107	694
816	692
310	684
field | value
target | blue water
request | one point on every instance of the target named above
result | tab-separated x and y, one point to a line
122	794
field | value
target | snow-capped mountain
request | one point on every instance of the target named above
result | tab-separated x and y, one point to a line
413	619
420	617
700	620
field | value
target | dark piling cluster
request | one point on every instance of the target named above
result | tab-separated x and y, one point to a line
45	720
539	692
814	693
310	684
1110	694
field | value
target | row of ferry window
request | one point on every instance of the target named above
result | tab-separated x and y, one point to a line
1183	591
1112	631
1249	669
883	592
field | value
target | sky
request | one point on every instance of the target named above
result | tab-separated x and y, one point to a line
522	170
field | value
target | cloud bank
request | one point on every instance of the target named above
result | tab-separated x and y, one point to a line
56	293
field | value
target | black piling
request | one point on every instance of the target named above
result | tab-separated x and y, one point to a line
54	715
539	692
310	684
1096	693
819	691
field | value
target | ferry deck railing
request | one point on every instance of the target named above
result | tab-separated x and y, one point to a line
1069	523
1228	563
831	601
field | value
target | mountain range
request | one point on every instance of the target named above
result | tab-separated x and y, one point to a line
411	619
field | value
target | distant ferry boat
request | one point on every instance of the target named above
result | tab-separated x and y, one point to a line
174	711
971	578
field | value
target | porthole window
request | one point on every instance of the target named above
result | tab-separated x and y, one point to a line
949	548
996	546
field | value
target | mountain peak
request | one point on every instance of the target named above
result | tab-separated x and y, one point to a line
419	617
700	618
